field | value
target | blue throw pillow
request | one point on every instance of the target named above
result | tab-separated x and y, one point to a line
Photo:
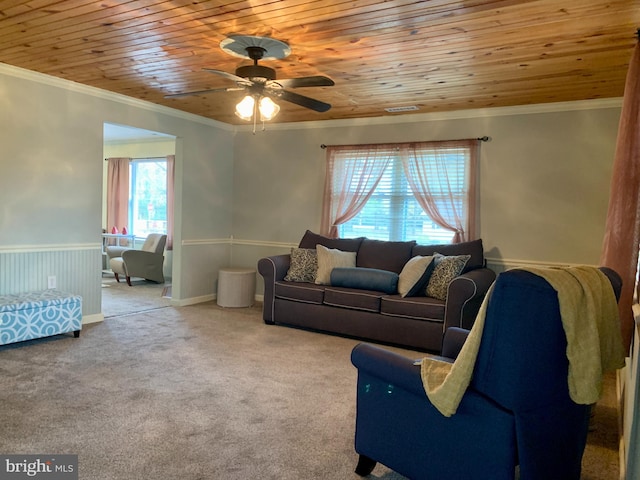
365	279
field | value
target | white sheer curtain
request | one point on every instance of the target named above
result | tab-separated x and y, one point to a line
431	179
353	172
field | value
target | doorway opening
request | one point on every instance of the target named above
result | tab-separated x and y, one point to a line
137	202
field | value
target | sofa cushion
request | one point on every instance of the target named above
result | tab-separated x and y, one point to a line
415	275
310	240
419	308
303	266
300	292
446	269
365	279
473	248
330	258
367	300
383	255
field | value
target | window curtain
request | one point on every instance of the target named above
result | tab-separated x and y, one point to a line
353	172
171	173
117	193
428	174
622	231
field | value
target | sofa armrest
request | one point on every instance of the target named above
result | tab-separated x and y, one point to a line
272	269
465	296
114	251
453	341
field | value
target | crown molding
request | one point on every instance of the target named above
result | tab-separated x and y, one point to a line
351	122
555	107
75	87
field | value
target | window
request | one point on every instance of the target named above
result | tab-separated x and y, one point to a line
140	195
421	192
148	197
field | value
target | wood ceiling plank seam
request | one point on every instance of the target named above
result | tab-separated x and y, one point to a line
235	20
469	24
418	49
32	16
95	18
135	7
139	53
42	18
433	51
13	8
479	25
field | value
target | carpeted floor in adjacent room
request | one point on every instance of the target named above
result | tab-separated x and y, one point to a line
200	393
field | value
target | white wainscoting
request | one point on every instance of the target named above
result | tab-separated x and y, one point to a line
77	269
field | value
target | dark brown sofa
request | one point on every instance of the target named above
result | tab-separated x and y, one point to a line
416	322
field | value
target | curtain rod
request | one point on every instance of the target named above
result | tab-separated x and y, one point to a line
482	139
141	158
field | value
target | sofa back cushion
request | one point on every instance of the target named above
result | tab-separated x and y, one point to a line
383	255
473	248
310	240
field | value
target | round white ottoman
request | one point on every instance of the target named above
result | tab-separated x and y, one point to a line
236	287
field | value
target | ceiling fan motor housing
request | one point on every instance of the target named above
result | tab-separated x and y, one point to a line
256	71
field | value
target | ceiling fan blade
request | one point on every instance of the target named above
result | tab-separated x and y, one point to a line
317	81
301	100
201	92
230	76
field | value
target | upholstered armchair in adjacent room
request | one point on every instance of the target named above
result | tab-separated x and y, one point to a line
145	263
517	413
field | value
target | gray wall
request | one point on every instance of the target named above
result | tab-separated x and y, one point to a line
544	180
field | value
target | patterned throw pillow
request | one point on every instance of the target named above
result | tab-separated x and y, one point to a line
446	269
330	258
304	265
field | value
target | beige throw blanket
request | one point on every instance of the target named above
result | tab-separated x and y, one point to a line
594	345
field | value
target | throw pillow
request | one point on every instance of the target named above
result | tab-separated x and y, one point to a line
446	269
304	265
330	258
365	279
415	276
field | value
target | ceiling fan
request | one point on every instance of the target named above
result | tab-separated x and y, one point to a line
260	81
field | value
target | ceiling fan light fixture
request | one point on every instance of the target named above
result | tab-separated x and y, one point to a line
245	108
268	109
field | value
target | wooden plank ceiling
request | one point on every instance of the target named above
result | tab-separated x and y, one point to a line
436	55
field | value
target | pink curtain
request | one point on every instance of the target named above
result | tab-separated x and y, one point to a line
117	193
171	173
429	176
622	232
353	172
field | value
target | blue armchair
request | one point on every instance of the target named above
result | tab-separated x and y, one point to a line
517	410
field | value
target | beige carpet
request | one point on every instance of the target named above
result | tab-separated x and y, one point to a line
200	393
121	299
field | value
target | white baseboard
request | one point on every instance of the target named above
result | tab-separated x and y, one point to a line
95	318
193	300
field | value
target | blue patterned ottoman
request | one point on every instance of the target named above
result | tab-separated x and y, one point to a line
39	314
